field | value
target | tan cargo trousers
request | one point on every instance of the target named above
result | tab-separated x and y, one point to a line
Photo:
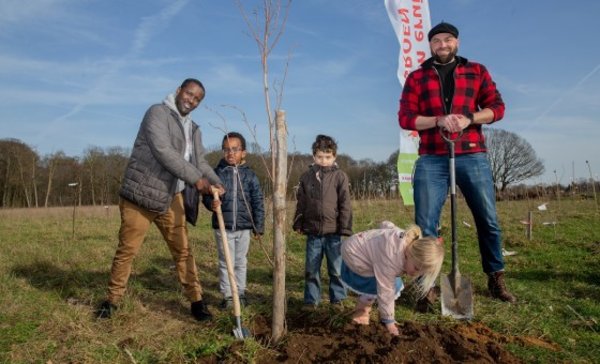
135	222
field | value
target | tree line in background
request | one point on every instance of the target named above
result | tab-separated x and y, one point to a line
30	180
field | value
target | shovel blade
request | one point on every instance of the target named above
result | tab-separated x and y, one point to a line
241	333
457	297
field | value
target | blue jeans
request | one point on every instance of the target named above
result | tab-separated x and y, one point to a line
316	246
365	286
474	177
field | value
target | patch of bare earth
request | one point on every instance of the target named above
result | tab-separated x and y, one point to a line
311	339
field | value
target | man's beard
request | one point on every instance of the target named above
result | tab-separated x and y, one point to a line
447	58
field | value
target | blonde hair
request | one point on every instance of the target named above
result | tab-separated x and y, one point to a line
427	254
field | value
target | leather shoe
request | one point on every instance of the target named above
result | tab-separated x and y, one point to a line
105	310
200	311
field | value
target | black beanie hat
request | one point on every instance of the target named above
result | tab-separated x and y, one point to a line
443	28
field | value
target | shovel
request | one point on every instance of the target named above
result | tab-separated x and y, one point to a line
239	332
457	292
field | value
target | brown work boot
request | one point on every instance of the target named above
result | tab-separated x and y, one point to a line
427	303
497	287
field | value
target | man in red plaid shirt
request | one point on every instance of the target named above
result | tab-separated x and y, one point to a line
453	93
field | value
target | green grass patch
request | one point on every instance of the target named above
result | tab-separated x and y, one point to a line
52	278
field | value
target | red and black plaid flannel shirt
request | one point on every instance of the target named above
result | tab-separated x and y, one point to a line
473	90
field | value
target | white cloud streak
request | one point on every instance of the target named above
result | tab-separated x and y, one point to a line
147	28
563	96
20	11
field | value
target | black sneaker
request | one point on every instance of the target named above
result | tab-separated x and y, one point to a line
105	310
243	301
226	303
200	311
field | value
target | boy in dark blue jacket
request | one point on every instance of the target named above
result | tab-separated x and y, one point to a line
243	212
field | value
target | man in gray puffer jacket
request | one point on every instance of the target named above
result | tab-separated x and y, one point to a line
167	154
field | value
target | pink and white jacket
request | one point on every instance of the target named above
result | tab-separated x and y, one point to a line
378	253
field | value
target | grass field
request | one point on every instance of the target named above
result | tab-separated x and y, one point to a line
53	273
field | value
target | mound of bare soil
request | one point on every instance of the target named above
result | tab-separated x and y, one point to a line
313	339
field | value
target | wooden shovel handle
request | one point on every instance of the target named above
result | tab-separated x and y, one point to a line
225	245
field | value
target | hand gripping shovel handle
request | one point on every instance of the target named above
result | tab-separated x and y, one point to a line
238	332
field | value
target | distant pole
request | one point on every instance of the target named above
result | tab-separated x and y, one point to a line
530	226
593	184
73	185
573	179
557	189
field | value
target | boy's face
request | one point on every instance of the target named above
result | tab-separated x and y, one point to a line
324	159
232	151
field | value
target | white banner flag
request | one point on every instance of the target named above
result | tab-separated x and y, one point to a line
411	22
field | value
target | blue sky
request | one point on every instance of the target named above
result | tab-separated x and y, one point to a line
81	73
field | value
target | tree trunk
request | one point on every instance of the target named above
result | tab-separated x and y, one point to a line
51	169
279	222
79	190
92	180
23	182
34	180
6	184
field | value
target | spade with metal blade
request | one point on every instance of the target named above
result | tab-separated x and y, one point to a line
239	332
457	291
